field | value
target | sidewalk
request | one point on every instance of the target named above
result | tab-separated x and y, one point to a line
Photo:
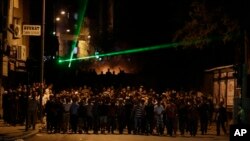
13	133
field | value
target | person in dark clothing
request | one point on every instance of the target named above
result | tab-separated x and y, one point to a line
211	110
204	116
74	115
89	116
49	110
193	116
81	116
241	115
120	116
96	120
129	115
6	107
14	107
103	112
32	111
171	113
23	101
66	115
111	117
182	115
59	115
149	116
221	118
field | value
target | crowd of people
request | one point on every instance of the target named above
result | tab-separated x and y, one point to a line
131	109
21	105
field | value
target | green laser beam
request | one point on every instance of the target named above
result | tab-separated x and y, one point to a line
80	22
129	51
136	50
183	43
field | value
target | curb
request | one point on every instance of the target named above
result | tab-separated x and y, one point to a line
18	137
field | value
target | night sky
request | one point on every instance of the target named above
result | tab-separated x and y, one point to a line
153	20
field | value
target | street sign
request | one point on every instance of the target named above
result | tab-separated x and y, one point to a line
32	30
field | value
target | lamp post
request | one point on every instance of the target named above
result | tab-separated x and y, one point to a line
42	59
245	92
245	67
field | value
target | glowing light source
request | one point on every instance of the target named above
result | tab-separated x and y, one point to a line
63	12
97	55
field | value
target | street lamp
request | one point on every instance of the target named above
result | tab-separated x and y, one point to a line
62	12
58	18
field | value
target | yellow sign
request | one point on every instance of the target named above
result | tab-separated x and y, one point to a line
32	30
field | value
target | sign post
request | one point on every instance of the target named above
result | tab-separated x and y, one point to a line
42	59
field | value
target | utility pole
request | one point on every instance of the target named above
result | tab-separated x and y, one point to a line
42	43
42	59
245	67
245	99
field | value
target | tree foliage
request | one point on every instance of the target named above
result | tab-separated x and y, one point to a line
207	22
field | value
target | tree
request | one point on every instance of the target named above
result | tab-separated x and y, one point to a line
208	21
212	22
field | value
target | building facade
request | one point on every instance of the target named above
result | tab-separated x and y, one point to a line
15	46
223	85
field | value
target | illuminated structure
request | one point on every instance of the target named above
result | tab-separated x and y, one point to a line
90	26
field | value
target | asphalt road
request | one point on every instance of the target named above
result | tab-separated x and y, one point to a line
124	137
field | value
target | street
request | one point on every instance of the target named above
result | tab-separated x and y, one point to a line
124	137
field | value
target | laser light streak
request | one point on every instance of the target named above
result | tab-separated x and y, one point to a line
129	51
136	50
